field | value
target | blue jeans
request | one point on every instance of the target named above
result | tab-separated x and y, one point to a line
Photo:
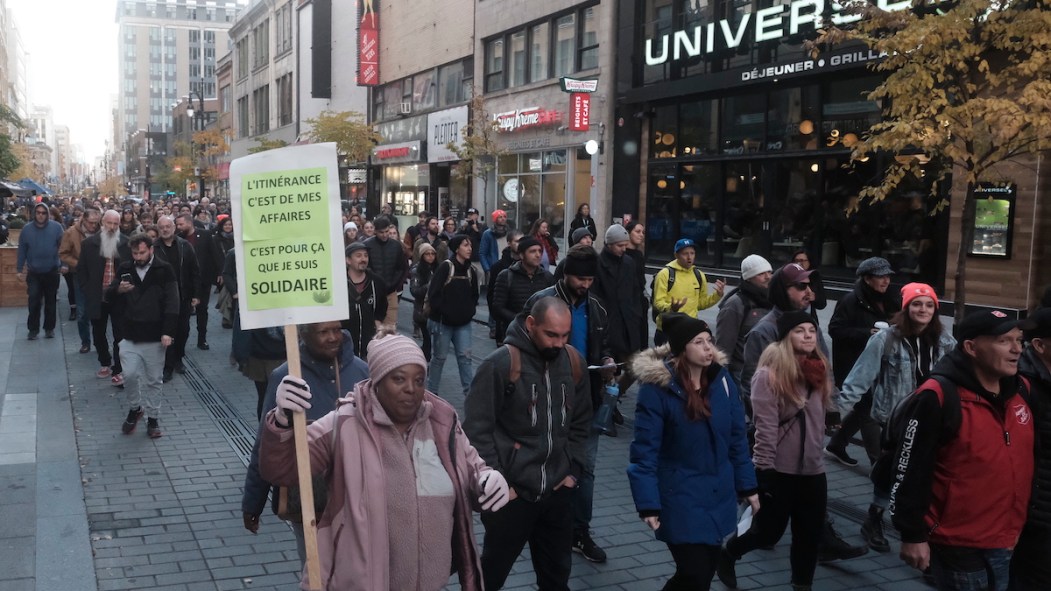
443	335
83	322
970	569
584	494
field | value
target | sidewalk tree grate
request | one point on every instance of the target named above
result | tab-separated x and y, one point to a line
239	433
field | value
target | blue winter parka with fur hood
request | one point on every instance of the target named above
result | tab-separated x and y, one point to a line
688	473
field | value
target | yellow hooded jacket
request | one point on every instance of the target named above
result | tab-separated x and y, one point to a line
697	296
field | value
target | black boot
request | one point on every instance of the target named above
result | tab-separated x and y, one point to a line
833	547
726	568
872	530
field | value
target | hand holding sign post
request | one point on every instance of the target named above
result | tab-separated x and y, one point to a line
290	267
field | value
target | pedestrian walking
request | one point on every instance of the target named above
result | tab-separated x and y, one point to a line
367	297
583	220
178	253
146	292
453	298
791	390
541	231
689	427
209	264
419	282
100	257
515	285
687	292
741	309
389	262
69	254
38	266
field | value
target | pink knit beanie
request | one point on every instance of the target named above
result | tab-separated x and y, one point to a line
391	351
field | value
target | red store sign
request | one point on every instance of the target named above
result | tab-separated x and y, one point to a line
404	152
368	43
579	111
525	118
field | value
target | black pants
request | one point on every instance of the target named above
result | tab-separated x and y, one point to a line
98	338
860	419
43	294
202	314
800	499
547	526
694	567
1030	568
173	356
71	279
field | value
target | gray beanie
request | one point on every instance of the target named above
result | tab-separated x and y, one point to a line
616	233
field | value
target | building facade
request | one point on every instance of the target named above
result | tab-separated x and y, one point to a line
728	131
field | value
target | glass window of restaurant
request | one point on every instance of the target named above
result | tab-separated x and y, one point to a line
532	185
768	173
406	186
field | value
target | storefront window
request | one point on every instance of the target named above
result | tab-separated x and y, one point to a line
792	119
847	113
744	121
698	128
665	130
699	208
533	185
661	208
406	187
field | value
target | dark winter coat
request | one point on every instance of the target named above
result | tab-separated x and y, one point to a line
583	222
1040	403
209	260
387	260
453	300
533	430
504	262
513	289
366	308
183	260
151	310
688	473
92	268
616	286
852	323
739	312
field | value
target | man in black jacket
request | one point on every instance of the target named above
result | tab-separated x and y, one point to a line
146	292
183	260
853	322
453	297
616	285
387	260
588	310
368	299
532	428
1030	568
508	257
209	263
100	256
514	285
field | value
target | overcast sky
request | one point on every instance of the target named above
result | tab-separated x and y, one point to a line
72	46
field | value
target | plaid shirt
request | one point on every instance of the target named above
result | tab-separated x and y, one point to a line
107	275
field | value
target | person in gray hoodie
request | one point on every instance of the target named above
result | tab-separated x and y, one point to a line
38	266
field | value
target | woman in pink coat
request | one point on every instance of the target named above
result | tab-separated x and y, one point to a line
402	477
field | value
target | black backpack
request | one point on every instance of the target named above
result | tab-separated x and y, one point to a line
882	474
671	281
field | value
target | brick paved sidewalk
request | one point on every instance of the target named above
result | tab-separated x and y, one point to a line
165	513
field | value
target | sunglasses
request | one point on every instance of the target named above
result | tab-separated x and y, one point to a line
801	286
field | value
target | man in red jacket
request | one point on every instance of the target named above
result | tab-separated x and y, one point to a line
963	470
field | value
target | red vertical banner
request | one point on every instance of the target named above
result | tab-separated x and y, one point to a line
368	43
579	111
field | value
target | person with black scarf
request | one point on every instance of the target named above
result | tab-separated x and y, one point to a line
743	308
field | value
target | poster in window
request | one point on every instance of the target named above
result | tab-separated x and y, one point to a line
993	220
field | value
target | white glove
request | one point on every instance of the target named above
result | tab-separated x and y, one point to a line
495	493
292	396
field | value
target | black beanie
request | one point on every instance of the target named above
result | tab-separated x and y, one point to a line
526	242
790	320
456	241
581	265
681	329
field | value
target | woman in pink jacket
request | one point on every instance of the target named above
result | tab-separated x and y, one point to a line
402	477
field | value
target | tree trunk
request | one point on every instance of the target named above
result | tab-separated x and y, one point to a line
966	241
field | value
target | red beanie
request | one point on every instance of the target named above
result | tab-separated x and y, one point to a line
914	290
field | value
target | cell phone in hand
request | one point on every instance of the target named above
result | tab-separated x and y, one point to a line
126	277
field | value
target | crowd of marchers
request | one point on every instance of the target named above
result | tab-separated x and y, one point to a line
956	423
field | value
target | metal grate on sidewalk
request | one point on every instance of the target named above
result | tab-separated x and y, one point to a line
239	433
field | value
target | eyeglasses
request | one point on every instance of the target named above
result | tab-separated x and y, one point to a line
801	286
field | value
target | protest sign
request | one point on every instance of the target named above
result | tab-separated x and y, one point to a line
290	262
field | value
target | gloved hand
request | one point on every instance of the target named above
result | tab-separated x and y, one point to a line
292	396
494	491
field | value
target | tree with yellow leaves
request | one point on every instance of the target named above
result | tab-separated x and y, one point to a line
968	83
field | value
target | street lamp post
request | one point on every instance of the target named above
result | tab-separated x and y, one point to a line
196	124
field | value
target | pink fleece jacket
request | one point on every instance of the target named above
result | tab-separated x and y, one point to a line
353	532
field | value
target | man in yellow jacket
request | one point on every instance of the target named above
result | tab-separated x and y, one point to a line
689	289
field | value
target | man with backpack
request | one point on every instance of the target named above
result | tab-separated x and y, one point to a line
451	301
742	309
528	416
963	462
681	287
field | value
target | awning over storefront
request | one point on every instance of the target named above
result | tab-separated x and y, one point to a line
34	187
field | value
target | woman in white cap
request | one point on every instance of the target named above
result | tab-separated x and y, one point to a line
790	391
350	233
403	479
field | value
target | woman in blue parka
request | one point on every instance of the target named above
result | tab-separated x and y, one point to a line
689	459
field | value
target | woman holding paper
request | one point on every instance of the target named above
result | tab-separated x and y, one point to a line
402	477
689	459
791	389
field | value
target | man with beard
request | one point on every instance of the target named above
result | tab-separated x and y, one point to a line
516	284
100	256
532	425
210	263
742	309
147	293
431	234
494	240
183	261
69	254
38	258
368	299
